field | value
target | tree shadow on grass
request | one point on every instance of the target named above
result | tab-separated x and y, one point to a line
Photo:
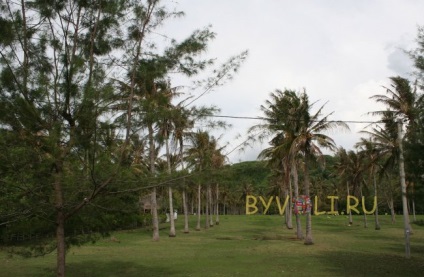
348	263
115	268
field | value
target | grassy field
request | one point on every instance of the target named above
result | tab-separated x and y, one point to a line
241	246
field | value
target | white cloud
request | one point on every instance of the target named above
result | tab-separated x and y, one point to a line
340	51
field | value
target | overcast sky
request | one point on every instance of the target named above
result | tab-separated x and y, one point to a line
341	51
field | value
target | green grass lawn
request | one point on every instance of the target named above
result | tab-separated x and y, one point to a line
242	246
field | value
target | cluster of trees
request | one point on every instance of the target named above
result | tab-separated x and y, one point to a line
89	117
90	123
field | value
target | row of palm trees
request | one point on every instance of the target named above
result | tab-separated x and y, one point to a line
297	141
168	141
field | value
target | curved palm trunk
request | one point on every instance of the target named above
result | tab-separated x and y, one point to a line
199	207
308	237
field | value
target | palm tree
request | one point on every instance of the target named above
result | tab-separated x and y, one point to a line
401	99
281	121
384	142
309	142
403	102
372	162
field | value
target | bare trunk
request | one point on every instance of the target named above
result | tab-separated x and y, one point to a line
207	223
413	209
186	229
211	209
61	249
171	203
171	214
224	208
392	209
217	204
288	213
377	223
350	211
287	188
407	225
199	207
365	215
155	218
299	233
308	237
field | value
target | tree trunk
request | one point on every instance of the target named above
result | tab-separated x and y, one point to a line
199	207
392	209
413	210
211	206
377	223
155	219
207	223
217	204
171	214
308	237
186	229
60	224
299	233
154	208
406	222
365	215
350	211
171	203
287	187
288	212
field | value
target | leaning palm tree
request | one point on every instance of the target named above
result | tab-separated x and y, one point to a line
281	122
402	102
